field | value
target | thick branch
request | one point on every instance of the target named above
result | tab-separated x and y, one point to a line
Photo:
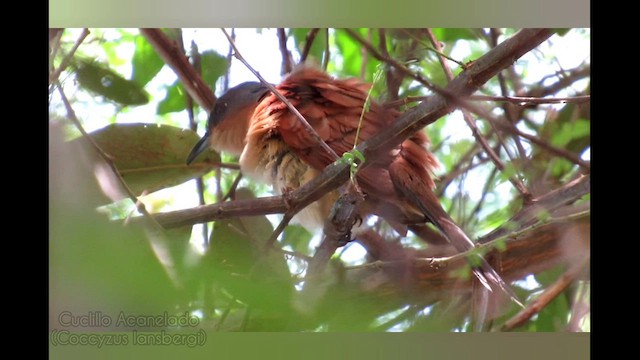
549	245
543	205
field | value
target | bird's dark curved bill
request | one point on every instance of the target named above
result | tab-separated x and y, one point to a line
199	148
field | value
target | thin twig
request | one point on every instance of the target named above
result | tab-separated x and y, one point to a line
393	81
327	52
519	100
365	58
107	158
510	128
505	108
55	36
463	165
225	86
444	262
308	41
437	50
232	190
473	214
305	124
542	205
287	64
519	185
65	62
197	65
403	69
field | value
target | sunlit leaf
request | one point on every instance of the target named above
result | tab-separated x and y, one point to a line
152	157
146	62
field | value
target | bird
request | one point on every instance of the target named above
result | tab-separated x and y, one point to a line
251	122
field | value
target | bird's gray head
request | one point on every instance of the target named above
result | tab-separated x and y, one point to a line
235	100
230	112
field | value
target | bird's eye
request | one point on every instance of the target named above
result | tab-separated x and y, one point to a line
220	107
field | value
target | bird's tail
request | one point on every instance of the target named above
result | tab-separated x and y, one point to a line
408	178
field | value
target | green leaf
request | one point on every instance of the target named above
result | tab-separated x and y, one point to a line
316	52
152	157
214	65
241	265
101	80
297	237
560	166
569	131
111	265
358	155
174	101
351	57
509	171
347	158
553	317
501	244
561	31
146	62
448	34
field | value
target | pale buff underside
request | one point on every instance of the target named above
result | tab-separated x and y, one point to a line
272	162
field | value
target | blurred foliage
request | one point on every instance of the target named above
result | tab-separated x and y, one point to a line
232	283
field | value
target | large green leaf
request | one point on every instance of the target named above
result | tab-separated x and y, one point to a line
152	157
146	62
237	261
101	80
96	265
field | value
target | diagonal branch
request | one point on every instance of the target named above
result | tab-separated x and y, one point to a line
546	297
176	59
308	41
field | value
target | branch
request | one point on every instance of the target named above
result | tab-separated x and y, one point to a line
65	62
543	205
409	278
464	85
519	185
308	41
176	59
287	65
546	297
533	100
107	159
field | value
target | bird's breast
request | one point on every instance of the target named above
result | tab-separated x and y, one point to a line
270	161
